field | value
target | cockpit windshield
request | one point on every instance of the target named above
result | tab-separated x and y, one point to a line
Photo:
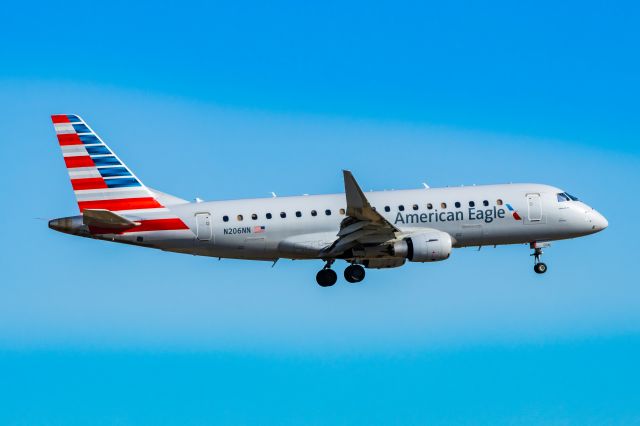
565	196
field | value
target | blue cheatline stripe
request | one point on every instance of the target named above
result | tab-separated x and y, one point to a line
509	207
81	128
114	171
98	150
73	118
89	139
121	183
106	161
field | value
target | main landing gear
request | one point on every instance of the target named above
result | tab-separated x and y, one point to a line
327	277
539	267
354	273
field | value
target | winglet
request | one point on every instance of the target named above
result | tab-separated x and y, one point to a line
357	204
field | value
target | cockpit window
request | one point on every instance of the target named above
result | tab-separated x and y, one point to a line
565	196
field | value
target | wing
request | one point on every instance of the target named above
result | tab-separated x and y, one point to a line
363	224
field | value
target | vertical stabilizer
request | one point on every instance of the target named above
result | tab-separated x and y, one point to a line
101	181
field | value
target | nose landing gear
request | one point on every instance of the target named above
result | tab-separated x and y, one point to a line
539	267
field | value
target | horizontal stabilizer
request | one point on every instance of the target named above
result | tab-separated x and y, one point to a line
106	219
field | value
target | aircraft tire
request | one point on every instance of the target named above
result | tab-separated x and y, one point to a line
354	273
540	268
326	277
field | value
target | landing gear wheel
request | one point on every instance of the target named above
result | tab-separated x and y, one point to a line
326	277
540	268
354	273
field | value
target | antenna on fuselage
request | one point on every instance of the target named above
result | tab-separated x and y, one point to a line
273	194
425	185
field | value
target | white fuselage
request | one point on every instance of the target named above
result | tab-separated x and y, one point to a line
472	216
372	230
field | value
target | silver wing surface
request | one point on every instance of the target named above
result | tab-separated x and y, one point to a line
363	226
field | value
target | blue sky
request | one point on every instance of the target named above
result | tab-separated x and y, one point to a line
220	102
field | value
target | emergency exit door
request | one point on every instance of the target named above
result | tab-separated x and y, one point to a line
204	231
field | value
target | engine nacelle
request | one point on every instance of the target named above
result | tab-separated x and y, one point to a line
425	247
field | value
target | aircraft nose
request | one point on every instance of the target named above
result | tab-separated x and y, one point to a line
599	222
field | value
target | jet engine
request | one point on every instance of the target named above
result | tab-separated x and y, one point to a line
429	246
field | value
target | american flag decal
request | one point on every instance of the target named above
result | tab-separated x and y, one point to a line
258	229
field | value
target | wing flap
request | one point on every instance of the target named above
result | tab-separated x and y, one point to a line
348	229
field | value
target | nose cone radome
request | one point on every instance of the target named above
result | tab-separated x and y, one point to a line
599	222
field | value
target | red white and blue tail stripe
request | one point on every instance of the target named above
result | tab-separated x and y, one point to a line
100	180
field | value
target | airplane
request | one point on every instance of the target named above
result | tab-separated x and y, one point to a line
381	229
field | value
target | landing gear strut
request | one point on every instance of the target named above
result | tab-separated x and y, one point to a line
327	277
539	267
354	273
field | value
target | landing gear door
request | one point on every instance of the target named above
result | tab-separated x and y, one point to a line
534	209
204	230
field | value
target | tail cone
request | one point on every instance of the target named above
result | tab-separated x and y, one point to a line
68	225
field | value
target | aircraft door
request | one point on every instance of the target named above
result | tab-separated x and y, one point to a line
204	230
534	208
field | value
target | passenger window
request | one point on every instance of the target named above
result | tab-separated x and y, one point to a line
268	216
387	209
327	212
415	207
314	213
342	212
225	218
499	201
254	216
457	204
298	214
283	215
429	206
401	207
443	205
239	217
472	203
485	203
